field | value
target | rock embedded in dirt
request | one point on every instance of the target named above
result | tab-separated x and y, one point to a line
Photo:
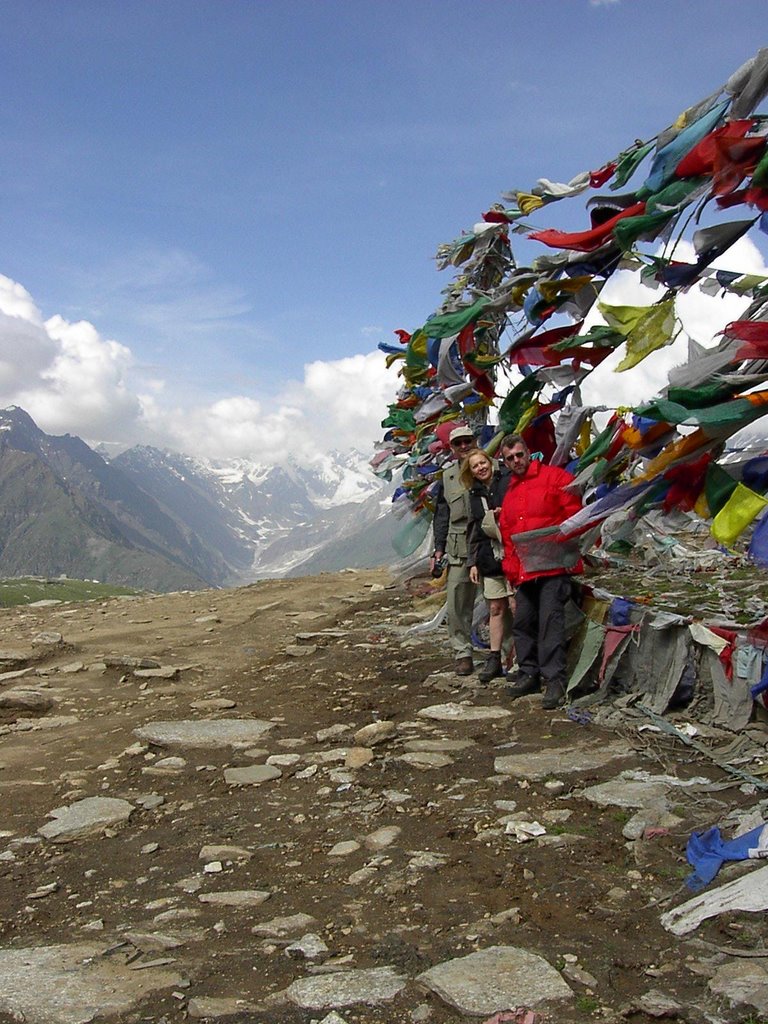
235	898
213	1007
308	947
358	757
280	927
425	761
26	700
72	984
206	733
382	837
743	983
536	765
371	987
463	713
495	979
252	775
375	732
85	818
234	853
343	849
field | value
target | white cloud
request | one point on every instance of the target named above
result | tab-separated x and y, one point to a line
338	405
72	380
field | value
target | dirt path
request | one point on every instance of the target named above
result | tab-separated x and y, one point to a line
319	659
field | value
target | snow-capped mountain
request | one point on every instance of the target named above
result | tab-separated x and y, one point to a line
162	520
275	519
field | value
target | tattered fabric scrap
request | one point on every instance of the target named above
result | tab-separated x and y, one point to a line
594	635
732	707
707	851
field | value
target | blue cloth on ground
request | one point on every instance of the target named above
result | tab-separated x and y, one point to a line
706	852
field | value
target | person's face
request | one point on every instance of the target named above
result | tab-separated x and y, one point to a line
463	446
480	468
517	459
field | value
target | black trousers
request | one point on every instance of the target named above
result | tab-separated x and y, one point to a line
539	627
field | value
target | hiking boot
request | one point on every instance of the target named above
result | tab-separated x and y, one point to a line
554	695
523	686
464	666
492	668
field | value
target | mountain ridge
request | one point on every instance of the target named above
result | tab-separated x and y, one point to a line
162	520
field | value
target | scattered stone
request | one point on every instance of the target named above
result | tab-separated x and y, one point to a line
573	972
47	639
208	733
536	765
394	796
425	761
7	677
87	817
213	704
382	837
333	732
211	1007
438	746
376	732
170	764
26	700
495	979
150	802
463	713
300	650
126	661
345	988
654	816
308	947
165	672
236	898
357	757
72	984
425	860
284	760
344	849
211	853
743	982
252	775
153	942
279	927
43	890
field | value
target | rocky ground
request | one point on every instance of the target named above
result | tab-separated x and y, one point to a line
278	804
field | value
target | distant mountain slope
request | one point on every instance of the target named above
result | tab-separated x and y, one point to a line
160	520
64	510
273	520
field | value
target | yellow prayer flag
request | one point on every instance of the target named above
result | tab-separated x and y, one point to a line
736	514
655	330
527	202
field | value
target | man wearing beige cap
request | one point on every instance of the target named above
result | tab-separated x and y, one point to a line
450	530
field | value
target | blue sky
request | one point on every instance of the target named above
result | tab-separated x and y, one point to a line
213	211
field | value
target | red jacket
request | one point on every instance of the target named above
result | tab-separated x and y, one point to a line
533	501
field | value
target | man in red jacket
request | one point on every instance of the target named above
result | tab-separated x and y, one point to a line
540	567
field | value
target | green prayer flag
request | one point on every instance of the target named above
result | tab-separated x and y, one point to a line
445	324
718	487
